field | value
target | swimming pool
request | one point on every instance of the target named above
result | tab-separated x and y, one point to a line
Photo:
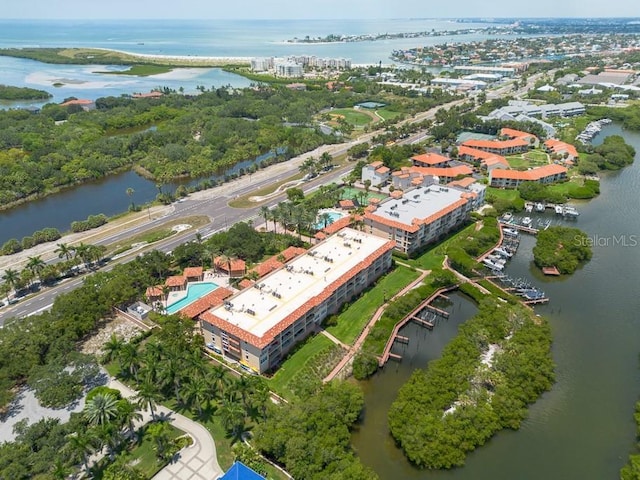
333	216
194	292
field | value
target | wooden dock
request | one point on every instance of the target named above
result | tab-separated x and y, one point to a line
522	228
402	339
411	317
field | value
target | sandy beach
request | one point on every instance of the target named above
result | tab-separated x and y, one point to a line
185	59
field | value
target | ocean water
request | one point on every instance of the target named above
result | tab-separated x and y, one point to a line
236	38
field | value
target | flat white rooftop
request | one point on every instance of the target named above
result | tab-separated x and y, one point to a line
273	298
420	203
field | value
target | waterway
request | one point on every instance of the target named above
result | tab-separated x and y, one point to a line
108	196
583	428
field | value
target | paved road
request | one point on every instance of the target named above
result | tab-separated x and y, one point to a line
217	209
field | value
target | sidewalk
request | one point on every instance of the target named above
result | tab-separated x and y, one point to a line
199	460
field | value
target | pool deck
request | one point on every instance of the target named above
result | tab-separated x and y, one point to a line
175	297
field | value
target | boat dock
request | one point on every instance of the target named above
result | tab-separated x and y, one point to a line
426	310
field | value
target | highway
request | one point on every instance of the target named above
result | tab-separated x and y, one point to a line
216	208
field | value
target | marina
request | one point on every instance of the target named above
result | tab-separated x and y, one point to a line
591	130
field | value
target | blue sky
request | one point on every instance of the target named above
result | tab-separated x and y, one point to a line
314	9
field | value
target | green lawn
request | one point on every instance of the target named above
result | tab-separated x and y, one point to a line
534	158
143	455
355	317
537	156
518	162
388	114
292	365
352	117
434	257
350	192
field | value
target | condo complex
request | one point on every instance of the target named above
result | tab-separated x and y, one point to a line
260	324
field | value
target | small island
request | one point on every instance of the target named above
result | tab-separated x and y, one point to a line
8	92
564	248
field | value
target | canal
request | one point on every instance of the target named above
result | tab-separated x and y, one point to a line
108	196
583	428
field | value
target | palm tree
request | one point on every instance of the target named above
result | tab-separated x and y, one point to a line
81	251
232	416
170	375
81	445
148	397
112	348
266	214
219	379
130	192
128	357
159	433
11	277
59	470
64	250
35	264
127	414
101	409
197	392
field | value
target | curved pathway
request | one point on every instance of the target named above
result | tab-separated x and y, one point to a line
376	316
197	461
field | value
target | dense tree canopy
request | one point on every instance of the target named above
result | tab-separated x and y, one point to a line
498	364
562	247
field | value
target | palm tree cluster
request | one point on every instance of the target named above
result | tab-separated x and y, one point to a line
171	366
36	268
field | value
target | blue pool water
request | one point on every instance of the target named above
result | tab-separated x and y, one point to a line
194	292
333	216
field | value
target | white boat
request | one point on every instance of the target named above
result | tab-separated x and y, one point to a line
492	265
528	207
539	207
559	209
502	252
507	216
511	232
569	211
526	221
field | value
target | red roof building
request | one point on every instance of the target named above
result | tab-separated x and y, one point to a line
234	267
259	325
513	178
430	160
500	147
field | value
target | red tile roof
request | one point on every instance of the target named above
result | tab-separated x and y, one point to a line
376	164
292	252
397	193
340	224
270	334
175	281
210	300
267	267
154	291
493	144
512	133
246	283
556	146
532	175
191	272
463	150
430	159
347	204
495	160
443	172
237	264
463	182
382	170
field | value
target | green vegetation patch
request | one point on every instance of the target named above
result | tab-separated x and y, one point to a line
562	247
140	70
8	92
296	362
498	364
504	200
356	118
349	323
